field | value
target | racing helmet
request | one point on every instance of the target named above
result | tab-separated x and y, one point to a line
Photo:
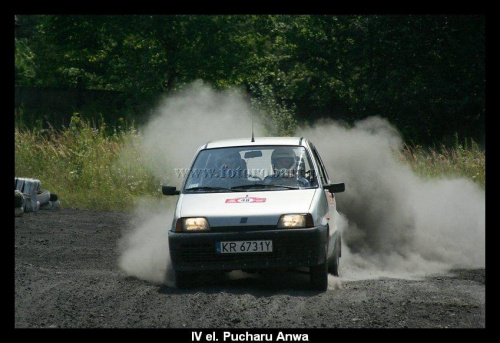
283	158
228	160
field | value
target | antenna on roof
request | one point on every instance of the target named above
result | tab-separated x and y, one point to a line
253	139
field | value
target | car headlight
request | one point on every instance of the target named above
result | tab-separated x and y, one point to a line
295	221
195	224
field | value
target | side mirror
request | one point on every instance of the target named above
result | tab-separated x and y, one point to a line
336	187
168	190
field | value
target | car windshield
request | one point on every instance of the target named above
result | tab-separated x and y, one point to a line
251	169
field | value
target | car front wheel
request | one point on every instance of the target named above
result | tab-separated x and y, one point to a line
333	264
319	276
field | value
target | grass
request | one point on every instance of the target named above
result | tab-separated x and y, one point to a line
463	160
85	165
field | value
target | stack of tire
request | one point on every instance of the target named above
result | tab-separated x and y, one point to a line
19	202
29	197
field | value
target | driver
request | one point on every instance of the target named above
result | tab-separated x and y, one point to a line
229	170
283	160
229	161
285	167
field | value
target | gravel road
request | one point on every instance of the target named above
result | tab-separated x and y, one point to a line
67	276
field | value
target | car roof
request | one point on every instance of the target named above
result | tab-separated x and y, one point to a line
257	141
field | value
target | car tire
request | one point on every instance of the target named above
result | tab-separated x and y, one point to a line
18	211
56	204
43	196
333	267
319	276
182	279
333	264
46	206
18	199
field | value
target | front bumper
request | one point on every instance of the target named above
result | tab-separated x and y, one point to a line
292	248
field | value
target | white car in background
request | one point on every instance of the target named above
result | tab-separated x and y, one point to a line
256	204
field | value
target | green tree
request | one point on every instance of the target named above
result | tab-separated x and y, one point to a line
421	72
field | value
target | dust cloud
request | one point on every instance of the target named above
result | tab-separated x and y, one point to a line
144	247
394	224
178	127
189	119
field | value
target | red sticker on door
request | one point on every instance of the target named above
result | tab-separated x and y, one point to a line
245	200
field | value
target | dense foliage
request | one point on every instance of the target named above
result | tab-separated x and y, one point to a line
424	73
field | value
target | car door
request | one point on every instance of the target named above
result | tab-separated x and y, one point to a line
330	197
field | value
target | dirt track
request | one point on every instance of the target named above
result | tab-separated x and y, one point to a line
66	275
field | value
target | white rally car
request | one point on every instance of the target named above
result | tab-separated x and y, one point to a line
256	204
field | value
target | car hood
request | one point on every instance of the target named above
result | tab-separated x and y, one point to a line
245	208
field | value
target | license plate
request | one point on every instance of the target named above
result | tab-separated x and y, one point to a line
233	247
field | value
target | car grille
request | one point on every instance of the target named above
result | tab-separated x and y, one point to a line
203	256
242	228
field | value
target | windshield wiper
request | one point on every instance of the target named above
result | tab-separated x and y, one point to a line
261	185
207	189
